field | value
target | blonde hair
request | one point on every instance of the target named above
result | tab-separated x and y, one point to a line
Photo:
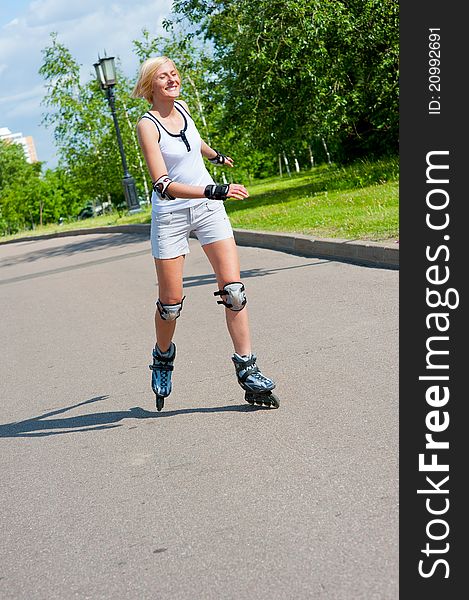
144	86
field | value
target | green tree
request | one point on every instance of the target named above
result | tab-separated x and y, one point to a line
59	196
296	72
19	189
84	129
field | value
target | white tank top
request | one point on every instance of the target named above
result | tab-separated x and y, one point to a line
183	158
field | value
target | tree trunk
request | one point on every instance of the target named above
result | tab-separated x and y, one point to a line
327	151
280	164
295	160
311	157
287	166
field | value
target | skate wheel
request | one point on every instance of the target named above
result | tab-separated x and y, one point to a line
250	398
159	402
269	400
274	402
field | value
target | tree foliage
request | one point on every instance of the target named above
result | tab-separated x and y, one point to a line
84	129
28	197
293	71
17	179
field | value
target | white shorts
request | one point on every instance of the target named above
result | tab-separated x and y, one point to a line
170	230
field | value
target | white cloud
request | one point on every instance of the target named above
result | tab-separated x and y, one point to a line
86	28
28	94
12	23
25	105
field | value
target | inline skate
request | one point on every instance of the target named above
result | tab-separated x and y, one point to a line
161	372
258	388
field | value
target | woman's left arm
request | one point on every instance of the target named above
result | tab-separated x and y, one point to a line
215	157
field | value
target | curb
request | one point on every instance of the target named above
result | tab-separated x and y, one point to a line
372	254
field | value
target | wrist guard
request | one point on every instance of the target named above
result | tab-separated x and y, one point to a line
217	192
161	185
219	159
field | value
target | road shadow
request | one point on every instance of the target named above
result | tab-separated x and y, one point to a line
189	281
209	278
64	269
44	425
87	243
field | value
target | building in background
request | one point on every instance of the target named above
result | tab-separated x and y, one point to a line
26	142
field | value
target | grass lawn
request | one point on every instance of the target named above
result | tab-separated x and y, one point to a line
360	201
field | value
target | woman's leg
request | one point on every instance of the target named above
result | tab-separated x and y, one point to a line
169	274
223	256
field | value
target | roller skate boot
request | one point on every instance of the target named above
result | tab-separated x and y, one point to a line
161	372
258	388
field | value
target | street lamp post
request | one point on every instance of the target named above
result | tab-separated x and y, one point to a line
106	76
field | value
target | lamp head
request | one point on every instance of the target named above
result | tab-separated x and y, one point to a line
106	72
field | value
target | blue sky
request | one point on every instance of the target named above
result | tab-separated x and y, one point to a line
86	28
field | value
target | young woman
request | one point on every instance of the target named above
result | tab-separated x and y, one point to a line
186	199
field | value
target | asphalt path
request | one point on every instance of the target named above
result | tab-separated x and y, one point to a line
103	497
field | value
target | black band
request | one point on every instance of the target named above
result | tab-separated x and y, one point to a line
219	159
217	192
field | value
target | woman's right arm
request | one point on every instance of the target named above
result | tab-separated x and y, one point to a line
148	140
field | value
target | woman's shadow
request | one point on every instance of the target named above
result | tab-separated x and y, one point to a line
43	425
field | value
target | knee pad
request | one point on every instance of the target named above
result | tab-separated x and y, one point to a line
235	297
169	312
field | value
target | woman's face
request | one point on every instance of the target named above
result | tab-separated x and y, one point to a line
166	82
